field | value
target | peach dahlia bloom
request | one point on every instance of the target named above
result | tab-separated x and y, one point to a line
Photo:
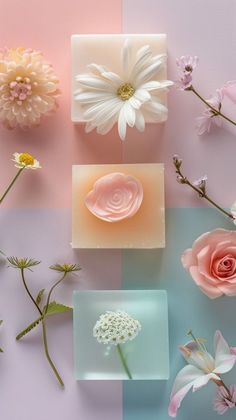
28	87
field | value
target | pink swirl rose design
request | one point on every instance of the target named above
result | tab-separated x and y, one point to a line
115	197
212	263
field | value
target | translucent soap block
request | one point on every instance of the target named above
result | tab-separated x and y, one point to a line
146	356
146	229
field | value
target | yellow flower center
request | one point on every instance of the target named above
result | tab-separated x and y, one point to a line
125	91
26	159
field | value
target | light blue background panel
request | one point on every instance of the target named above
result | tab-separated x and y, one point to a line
188	308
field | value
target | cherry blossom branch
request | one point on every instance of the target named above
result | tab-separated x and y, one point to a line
198	186
216	112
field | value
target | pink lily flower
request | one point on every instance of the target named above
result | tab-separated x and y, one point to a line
201	368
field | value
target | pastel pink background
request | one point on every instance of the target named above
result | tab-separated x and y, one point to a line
57	143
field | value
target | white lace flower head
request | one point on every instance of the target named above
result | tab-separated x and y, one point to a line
130	98
116	328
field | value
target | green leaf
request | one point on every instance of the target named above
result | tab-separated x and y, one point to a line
40	296
29	328
56	308
1	350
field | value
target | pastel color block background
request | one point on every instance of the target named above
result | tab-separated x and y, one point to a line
35	219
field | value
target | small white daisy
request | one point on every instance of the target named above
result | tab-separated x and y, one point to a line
25	160
129	99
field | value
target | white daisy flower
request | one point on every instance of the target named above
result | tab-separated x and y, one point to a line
129	99
25	160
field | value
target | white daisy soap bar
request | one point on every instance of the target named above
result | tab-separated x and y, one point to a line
118	206
119	79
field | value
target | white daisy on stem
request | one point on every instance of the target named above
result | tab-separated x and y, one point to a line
129	99
22	161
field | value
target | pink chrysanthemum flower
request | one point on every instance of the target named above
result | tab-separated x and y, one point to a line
28	87
225	400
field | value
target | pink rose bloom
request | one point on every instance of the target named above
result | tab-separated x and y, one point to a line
115	197
212	263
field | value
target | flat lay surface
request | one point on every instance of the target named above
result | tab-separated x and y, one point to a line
35	218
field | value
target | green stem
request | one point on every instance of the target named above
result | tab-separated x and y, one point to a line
43	327
51	290
45	342
214	110
28	292
123	361
11	184
202	194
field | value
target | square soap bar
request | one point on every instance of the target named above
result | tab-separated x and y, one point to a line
106	50
147	355
146	229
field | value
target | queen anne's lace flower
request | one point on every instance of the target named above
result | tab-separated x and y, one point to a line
127	99
28	87
116	328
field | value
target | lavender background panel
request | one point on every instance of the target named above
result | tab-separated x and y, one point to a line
205	28
28	387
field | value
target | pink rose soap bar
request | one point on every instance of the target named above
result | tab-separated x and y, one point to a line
118	206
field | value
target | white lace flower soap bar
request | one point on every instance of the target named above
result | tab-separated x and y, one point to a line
121	334
119	80
118	206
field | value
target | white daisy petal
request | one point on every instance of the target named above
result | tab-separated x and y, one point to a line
93	110
142	58
129	114
135	102
107	113
89	127
148	73
90	97
125	56
154	85
107	126
139	121
113	77
94	82
155	111
96	68
142	95
122	124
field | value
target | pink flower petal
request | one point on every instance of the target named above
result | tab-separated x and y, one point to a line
229	90
211	291
224	359
183	383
